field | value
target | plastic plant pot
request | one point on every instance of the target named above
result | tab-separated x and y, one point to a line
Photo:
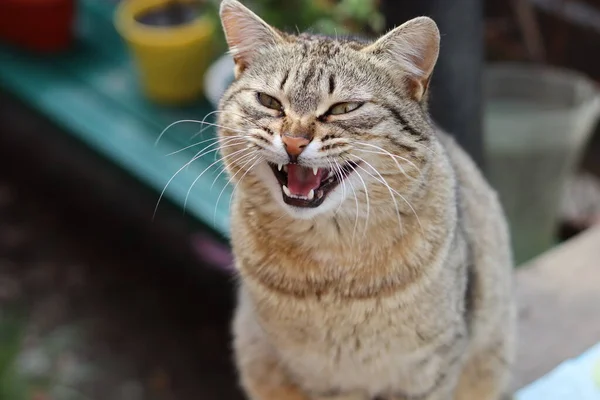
537	122
44	26
172	46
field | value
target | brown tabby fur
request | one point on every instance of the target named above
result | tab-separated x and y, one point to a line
397	287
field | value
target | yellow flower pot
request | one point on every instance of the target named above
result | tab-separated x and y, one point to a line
171	60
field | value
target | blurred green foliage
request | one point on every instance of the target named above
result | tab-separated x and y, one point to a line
329	17
12	385
44	369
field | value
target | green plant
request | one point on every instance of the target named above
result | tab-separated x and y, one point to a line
330	17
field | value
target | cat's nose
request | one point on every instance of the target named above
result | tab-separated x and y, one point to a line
294	145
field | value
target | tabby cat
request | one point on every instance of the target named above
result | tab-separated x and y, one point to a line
373	257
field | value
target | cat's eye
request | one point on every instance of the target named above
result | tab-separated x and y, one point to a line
269	101
343	108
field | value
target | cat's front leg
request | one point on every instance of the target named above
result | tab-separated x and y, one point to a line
261	375
264	378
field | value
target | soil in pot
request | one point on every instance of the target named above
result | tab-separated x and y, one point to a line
174	13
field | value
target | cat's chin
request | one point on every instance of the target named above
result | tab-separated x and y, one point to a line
326	205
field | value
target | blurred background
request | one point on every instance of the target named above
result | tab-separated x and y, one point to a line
115	273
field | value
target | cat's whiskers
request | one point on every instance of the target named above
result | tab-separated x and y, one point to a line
384	182
182	121
356	210
357	142
387	153
212	124
222	169
399	216
255	158
225	157
240	180
214	150
368	203
215	140
194	158
226	142
202	127
332	168
340	176
222	111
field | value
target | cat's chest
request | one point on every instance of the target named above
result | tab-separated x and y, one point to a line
328	340
332	325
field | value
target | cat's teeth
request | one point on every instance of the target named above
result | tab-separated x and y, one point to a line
311	194
287	191
315	170
330	174
319	194
279	167
285	168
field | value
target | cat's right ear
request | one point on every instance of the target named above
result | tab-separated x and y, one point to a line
246	33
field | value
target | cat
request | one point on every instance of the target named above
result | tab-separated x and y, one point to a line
373	257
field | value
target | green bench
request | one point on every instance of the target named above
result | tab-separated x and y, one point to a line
91	93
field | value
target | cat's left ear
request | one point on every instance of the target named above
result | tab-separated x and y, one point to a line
246	33
413	47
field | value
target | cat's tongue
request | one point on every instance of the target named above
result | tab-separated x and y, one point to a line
301	180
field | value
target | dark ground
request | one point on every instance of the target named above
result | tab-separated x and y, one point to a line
106	312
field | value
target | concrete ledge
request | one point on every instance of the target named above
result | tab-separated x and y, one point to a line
559	306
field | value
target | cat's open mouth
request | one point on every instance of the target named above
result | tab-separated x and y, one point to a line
308	187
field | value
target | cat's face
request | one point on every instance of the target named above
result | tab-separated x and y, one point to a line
318	125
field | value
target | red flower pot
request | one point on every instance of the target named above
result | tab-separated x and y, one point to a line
38	25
